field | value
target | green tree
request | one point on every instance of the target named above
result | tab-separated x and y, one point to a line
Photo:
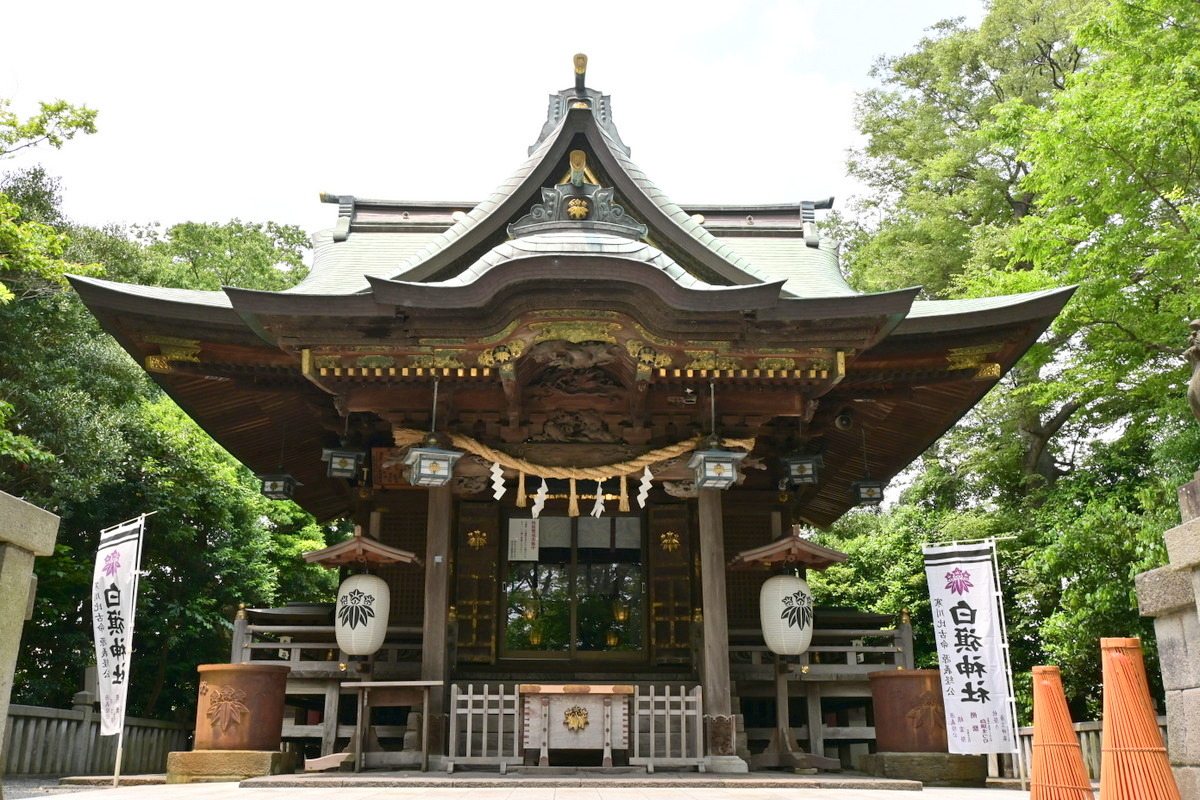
1054	144
196	255
31	250
89	437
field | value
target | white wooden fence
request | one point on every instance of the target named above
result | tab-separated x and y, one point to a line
668	727
666	730
485	726
52	741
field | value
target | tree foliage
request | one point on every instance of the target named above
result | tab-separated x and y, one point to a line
85	434
1054	144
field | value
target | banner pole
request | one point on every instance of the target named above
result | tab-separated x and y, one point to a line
1019	751
137	576
117	766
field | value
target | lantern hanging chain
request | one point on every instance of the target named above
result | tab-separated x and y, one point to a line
433	417
282	445
866	464
712	403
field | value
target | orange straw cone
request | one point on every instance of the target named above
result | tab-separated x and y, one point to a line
1133	761
1058	772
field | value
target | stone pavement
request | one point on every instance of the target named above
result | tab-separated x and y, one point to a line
611	791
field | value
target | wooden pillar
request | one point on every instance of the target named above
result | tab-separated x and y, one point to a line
716	626
437	600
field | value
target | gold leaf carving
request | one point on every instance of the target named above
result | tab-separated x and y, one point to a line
375	362
650	337
705	360
502	353
575	718
157	364
439	359
777	363
327	362
504	334
669	541
647	356
575	332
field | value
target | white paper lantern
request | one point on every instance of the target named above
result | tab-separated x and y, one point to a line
363	603
785	608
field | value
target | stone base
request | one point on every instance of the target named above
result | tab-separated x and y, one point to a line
1188	781
725	764
222	766
931	769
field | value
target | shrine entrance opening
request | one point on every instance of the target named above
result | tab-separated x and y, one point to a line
574	589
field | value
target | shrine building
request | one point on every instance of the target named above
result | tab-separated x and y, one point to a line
564	420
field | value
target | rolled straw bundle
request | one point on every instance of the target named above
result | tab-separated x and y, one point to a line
1058	772
1133	761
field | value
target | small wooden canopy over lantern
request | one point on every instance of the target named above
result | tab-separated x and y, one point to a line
359	549
792	549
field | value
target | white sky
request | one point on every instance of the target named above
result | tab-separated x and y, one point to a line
220	110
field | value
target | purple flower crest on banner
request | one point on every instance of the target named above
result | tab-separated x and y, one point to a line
958	581
112	563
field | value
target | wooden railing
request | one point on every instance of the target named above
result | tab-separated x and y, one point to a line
485	726
52	741
312	649
668	727
834	651
1001	766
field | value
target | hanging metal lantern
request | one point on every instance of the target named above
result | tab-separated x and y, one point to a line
430	466
342	463
279	486
715	469
868	492
363	605
803	470
785	608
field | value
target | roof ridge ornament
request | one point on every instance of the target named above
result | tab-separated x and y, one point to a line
579	96
580	72
578	204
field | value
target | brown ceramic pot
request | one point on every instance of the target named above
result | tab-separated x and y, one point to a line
910	716
241	706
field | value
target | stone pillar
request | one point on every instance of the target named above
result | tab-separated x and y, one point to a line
1169	594
25	531
437	599
722	752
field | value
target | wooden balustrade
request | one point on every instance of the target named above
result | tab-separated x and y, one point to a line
1001	766
53	741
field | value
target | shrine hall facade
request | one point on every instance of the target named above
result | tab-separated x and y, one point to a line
576	338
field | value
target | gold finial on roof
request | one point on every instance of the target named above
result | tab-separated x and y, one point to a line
580	71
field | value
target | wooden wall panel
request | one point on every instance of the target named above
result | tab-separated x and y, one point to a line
403	525
477	564
747	524
669	556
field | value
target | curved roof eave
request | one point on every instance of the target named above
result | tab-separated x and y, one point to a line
547	269
255	301
644	199
944	316
154	301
